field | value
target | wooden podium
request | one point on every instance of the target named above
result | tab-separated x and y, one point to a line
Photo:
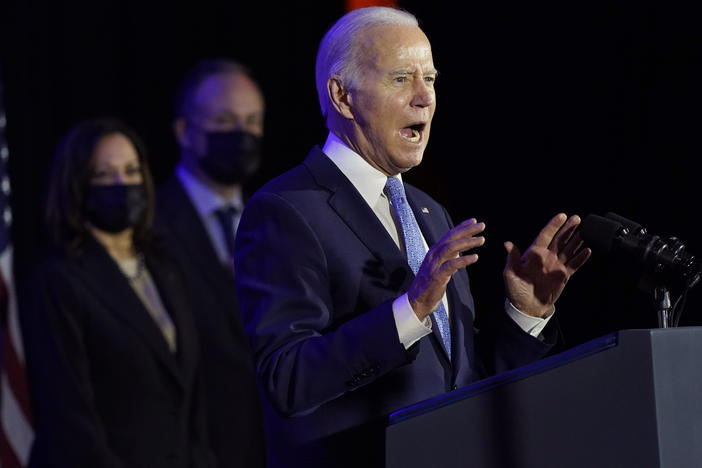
629	399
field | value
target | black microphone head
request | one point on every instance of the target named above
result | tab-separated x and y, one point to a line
599	232
631	226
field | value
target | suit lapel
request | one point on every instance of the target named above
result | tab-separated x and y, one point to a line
361	219
190	236
177	304
425	220
104	277
184	222
354	211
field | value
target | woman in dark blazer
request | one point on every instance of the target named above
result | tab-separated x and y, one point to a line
111	352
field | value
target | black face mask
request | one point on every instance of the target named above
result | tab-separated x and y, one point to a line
231	157
114	208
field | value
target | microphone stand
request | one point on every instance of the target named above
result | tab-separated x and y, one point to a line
662	297
664	265
661	281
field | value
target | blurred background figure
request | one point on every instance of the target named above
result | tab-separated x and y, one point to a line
112	353
218	126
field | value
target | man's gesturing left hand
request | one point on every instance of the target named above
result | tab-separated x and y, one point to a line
535	280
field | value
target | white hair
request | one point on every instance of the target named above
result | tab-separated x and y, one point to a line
339	51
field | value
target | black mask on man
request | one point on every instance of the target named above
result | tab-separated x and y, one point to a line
114	208
231	157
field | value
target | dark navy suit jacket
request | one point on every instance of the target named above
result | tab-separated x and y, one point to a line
316	277
234	415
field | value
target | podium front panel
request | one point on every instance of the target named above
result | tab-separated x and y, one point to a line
631	399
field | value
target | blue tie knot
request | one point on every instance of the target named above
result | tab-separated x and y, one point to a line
394	189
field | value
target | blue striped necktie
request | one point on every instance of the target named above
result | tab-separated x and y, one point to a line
414	245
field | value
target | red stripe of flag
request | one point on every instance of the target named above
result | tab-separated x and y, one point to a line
8	457
16	377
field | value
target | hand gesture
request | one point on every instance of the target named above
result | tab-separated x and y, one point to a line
535	280
441	261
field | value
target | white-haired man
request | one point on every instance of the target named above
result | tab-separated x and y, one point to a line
348	318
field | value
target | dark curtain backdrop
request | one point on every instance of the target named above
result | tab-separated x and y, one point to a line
542	107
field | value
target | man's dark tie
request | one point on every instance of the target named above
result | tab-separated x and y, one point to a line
414	245
225	216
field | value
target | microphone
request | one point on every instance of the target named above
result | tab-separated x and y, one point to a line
632	226
665	259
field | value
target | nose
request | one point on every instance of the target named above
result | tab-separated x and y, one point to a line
424	94
122	178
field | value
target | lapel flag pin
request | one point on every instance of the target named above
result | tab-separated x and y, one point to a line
425	209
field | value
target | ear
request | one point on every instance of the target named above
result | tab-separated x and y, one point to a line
340	97
179	129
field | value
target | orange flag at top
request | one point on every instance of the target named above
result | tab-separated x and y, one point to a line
353	4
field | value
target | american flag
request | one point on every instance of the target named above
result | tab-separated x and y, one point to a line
16	430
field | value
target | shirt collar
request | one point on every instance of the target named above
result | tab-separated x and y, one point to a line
368	180
204	199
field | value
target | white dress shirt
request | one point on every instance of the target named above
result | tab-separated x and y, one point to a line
370	183
206	202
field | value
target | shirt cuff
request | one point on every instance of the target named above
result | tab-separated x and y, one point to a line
409	328
532	325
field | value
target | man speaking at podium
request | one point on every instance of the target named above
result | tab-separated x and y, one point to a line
353	285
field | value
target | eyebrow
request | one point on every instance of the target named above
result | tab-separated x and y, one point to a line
110	166
408	72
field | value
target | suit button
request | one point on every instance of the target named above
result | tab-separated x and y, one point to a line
454	387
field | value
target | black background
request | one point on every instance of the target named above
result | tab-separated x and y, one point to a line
580	107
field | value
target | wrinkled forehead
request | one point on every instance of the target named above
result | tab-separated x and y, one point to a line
395	43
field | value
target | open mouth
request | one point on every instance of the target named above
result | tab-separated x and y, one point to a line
413	133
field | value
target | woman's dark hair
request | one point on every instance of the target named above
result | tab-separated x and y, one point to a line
70	177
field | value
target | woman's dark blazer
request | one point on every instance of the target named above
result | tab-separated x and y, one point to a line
107	392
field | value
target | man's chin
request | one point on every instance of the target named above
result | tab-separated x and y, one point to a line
409	161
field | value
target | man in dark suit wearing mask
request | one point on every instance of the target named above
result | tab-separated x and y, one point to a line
218	126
